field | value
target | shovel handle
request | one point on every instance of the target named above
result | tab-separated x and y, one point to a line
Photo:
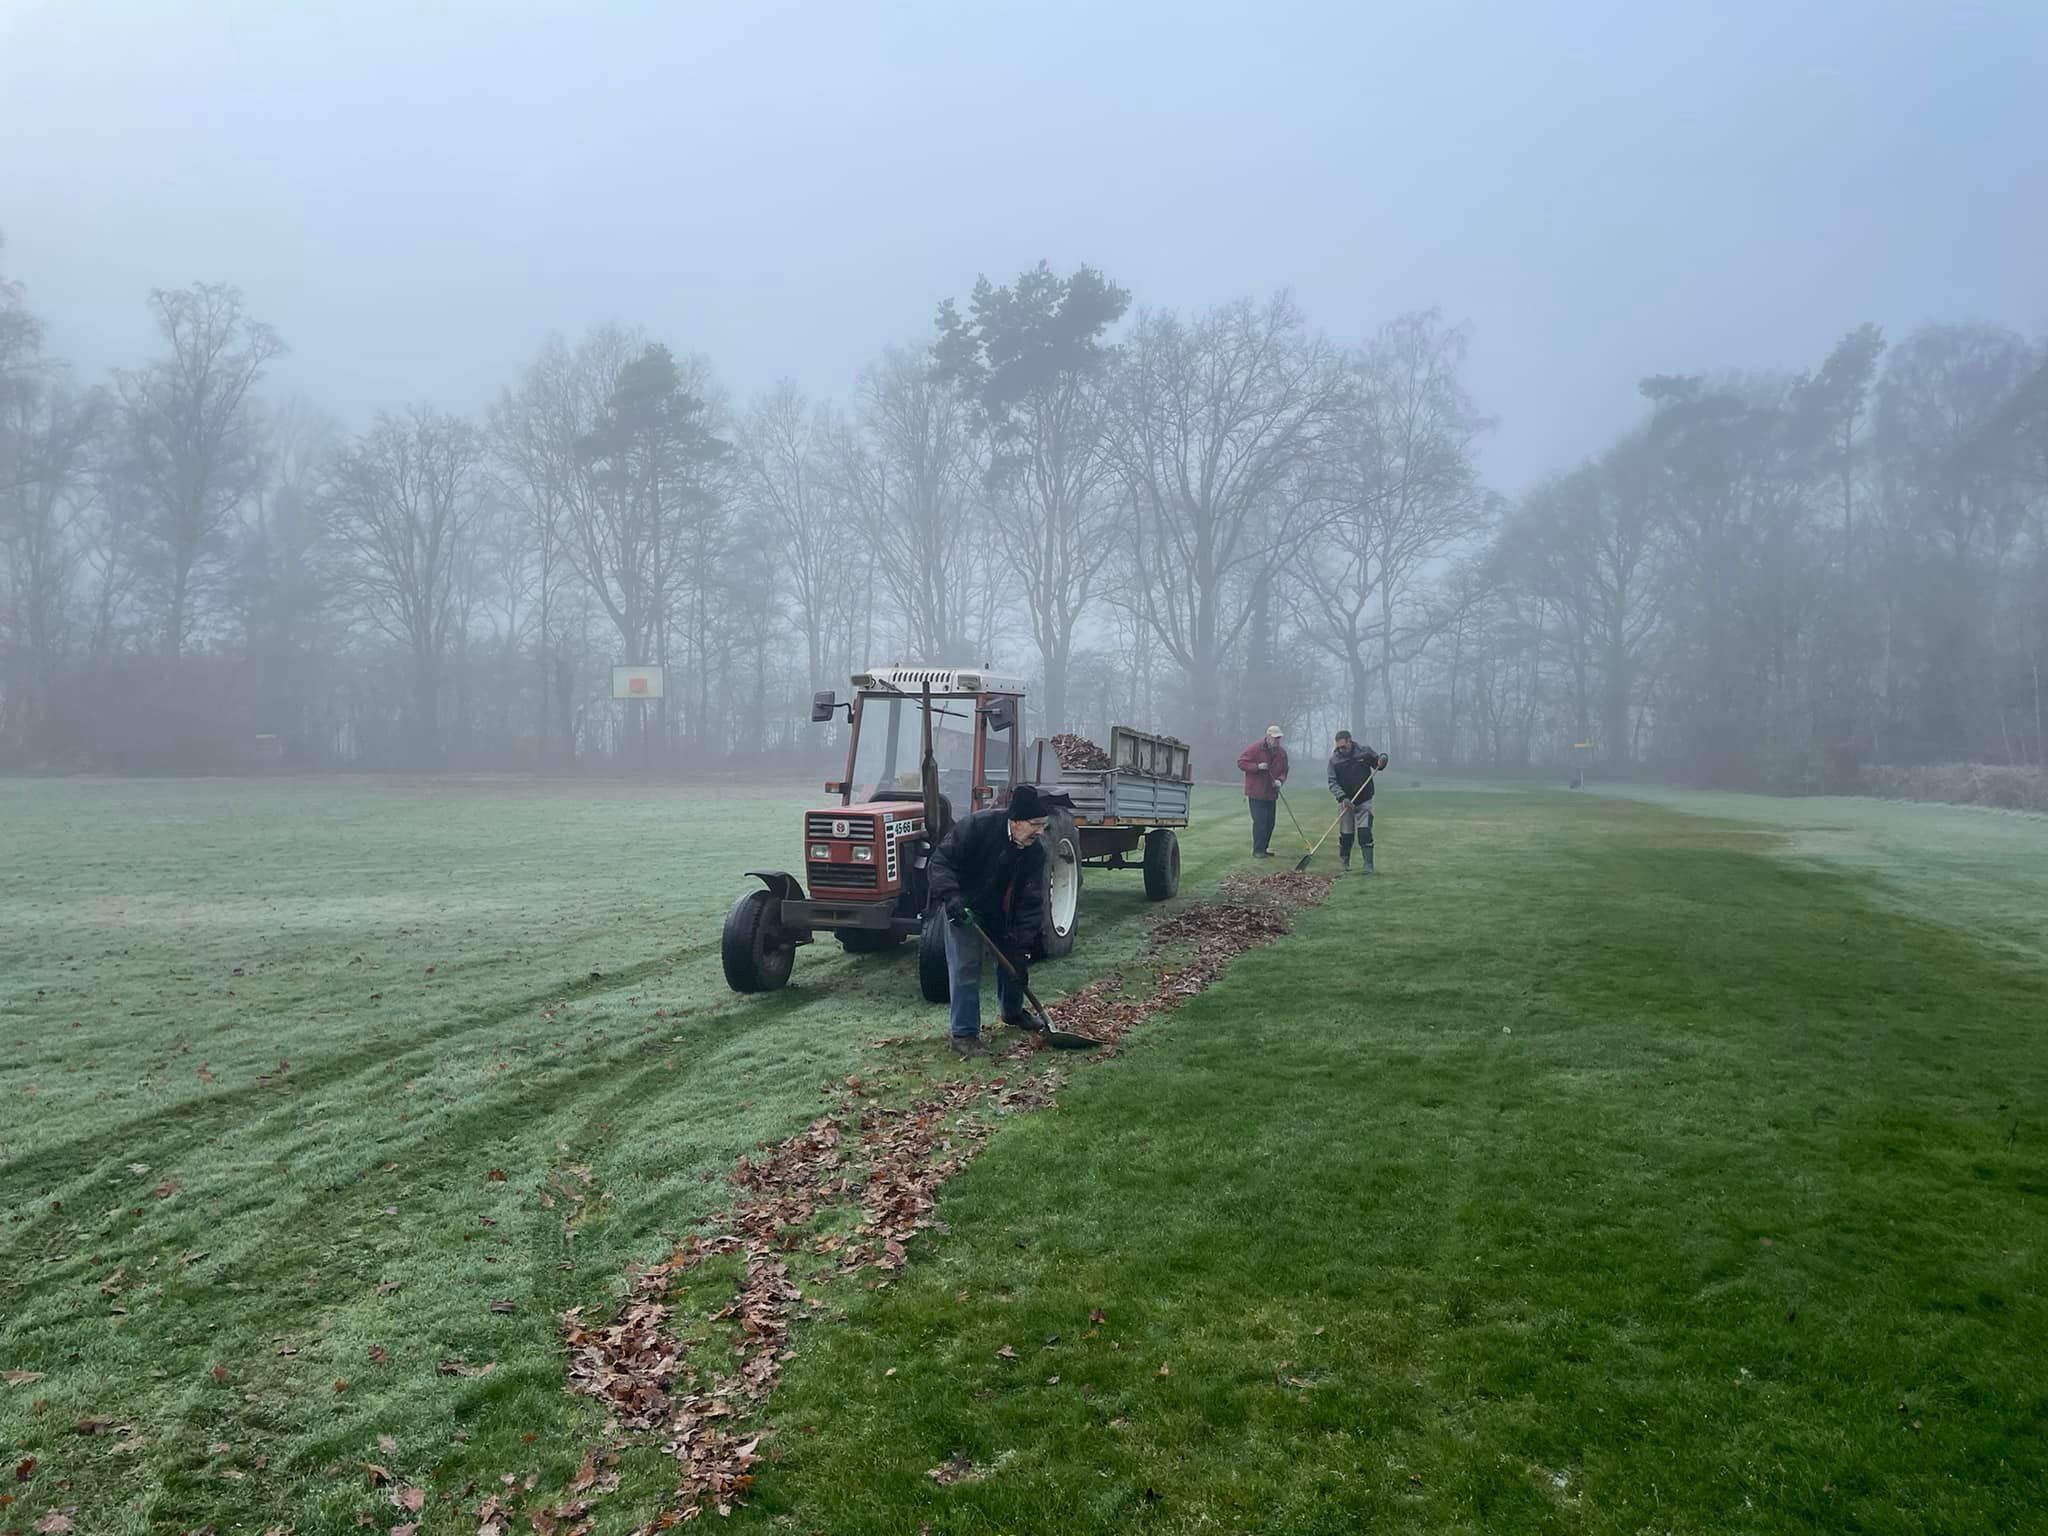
1003	960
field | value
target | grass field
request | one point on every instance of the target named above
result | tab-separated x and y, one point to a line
1597	1167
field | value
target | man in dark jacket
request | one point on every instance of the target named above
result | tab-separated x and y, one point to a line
989	873
1351	780
1264	766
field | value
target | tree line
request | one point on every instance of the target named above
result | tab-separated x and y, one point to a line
1195	522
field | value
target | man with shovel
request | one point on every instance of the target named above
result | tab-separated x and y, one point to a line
989	873
1351	780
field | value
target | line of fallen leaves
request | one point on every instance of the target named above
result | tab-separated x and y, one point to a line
897	1159
1254	910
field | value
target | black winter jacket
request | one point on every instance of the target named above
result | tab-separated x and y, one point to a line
1348	770
1003	884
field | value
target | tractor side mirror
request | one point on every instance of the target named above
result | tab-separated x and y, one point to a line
1001	715
822	704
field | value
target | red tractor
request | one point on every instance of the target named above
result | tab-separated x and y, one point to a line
928	744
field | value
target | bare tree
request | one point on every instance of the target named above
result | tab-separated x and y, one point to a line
534	432
193	444
48	435
402	500
789	486
1408	492
1214	418
909	472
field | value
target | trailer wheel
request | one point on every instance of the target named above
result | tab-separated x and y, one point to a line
934	976
868	941
1062	890
756	957
1162	863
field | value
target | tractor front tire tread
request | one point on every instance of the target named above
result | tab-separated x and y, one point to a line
753	961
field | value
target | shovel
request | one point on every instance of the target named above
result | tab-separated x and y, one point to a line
1041	1023
1340	816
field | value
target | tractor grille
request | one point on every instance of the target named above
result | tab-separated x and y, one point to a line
842	877
859	829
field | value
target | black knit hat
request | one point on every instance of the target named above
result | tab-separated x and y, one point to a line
1030	803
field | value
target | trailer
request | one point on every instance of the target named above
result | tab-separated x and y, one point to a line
1135	806
929	744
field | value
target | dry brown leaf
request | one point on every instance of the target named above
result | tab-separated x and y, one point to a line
20	1378
1006	1353
411	1500
1164	1370
496	1176
55	1523
379	1476
387	1445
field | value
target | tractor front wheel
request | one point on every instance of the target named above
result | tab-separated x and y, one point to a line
757	956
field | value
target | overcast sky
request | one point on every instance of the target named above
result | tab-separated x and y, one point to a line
415	194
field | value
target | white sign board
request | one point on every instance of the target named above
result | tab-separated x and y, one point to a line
636	682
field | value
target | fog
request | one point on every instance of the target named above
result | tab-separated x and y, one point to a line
1439	249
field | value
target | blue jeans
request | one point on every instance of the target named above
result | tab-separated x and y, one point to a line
963	967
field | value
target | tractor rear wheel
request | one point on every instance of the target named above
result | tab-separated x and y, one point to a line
934	975
757	956
1162	863
1062	889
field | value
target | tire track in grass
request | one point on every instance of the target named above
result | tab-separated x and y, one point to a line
67	1168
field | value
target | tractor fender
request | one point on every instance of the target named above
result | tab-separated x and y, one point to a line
785	886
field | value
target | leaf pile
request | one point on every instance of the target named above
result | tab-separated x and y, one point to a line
1077	754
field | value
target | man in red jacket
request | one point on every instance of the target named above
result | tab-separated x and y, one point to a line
1264	765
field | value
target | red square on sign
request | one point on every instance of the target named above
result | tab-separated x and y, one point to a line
636	685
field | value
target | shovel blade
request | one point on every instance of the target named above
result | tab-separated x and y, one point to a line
1302	862
1067	1040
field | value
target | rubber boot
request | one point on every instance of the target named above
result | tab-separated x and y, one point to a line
1366	848
1344	842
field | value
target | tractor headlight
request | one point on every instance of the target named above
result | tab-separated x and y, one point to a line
821	851
863	855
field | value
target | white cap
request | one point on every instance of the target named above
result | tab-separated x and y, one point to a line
1272	730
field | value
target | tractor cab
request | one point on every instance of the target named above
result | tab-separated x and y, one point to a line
974	737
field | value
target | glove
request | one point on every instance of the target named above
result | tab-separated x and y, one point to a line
956	909
1264	766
